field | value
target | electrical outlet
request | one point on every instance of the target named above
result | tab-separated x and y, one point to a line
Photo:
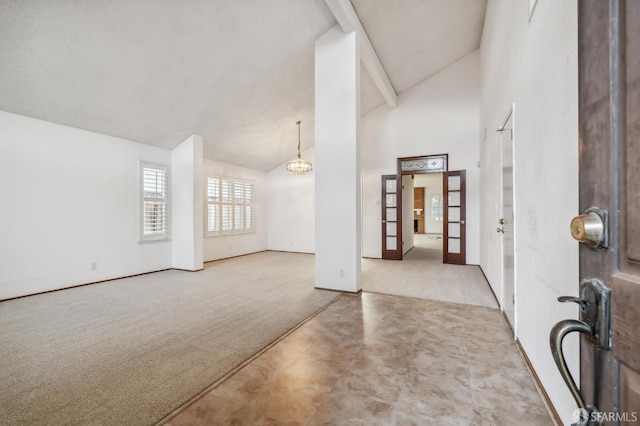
341	272
94	265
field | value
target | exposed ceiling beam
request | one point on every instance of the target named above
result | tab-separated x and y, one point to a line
348	19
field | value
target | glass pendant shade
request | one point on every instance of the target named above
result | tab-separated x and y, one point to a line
299	165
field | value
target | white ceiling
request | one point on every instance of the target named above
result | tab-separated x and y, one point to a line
414	39
237	72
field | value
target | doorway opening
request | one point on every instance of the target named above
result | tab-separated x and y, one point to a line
426	215
399	214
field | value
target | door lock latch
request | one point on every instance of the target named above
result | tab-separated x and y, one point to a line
591	228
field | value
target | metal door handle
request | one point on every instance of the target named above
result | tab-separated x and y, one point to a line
582	303
558	333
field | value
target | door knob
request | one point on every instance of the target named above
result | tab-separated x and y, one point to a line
501	221
500	230
590	228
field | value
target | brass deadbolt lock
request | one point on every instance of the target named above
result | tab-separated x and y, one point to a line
590	228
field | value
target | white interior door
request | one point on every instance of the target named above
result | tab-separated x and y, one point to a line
507	224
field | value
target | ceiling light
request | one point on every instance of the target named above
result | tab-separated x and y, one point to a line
299	166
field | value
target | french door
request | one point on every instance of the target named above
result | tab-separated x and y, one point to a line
391	217
454	190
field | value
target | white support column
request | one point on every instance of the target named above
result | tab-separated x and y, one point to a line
337	161
187	214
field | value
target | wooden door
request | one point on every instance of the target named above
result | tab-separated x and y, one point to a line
391	217
609	100
454	197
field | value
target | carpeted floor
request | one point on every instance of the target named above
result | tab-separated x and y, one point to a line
422	274
129	352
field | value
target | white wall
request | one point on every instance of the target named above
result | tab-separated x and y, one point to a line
187	220
438	116
291	209
224	246
70	197
432	184
534	64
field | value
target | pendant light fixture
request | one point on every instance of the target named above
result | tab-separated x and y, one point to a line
299	166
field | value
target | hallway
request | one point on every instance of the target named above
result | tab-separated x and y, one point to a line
422	274
385	360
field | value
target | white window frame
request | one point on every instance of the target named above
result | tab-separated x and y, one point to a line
232	204
165	236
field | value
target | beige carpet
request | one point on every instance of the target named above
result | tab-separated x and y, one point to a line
129	352
422	274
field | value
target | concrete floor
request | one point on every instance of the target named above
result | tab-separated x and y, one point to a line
387	360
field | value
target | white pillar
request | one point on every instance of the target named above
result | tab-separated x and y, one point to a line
187	214
337	161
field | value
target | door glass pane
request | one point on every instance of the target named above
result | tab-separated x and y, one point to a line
454	245
454	230
391	185
454	214
454	198
392	229
391	200
392	214
454	183
392	243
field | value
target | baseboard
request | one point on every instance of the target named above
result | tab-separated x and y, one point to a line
348	293
508	324
555	417
84	285
135	275
287	251
490	288
233	257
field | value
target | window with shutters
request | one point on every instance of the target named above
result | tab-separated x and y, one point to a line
154	199
230	206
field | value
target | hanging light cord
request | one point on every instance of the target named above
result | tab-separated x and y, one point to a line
298	123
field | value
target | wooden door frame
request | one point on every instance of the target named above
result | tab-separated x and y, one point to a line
417	171
399	252
454	258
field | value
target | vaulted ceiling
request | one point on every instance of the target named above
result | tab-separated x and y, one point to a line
237	72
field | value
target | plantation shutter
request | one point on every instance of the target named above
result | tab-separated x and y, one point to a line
155	201
229	207
213	205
